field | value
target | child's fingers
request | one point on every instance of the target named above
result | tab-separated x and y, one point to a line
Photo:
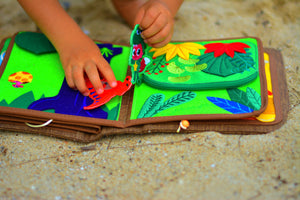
163	36
158	25
78	78
92	73
107	72
149	17
162	43
139	16
69	78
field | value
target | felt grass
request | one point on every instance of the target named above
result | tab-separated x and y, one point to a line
48	76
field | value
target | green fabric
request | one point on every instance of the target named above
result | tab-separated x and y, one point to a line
203	71
134	59
149	99
48	77
156	103
221	75
46	70
33	42
198	105
177	75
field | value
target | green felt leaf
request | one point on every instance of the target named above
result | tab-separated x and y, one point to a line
151	105
196	68
155	65
176	100
174	69
254	98
113	113
179	79
239	96
155	103
33	42
242	61
225	65
189	62
220	66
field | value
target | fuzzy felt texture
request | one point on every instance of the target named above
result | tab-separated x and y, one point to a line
194	65
221	75
36	43
38	81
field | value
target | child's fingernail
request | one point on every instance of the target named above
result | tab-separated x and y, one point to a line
100	91
86	94
114	84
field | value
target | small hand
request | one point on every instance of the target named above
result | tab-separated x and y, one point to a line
156	21
83	58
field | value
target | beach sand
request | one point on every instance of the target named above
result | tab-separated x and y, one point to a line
164	166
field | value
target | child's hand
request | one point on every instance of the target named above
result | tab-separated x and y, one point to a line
79	55
156	21
83	59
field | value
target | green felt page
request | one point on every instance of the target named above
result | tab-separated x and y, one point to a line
200	77
45	86
46	71
196	103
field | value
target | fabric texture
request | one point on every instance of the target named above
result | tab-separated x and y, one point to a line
198	65
145	108
38	82
213	71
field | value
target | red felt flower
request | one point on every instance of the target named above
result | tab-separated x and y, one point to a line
228	48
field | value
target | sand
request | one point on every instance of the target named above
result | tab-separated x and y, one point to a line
165	166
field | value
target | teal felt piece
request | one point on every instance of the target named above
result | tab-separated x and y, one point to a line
36	43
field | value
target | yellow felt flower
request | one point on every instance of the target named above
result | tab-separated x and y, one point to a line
183	50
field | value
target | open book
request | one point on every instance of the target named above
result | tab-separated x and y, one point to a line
228	85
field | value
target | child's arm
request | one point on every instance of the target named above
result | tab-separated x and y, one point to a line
78	53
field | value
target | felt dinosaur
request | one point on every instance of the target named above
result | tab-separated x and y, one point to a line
68	101
108	94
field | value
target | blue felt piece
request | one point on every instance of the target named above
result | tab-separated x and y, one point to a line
2	57
230	106
68	101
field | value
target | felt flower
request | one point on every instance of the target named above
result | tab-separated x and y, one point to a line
183	50
228	48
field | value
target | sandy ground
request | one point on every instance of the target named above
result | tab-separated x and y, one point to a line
162	166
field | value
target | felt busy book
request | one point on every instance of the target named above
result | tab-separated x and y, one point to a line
229	85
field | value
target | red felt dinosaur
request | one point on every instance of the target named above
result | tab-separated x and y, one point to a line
108	94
